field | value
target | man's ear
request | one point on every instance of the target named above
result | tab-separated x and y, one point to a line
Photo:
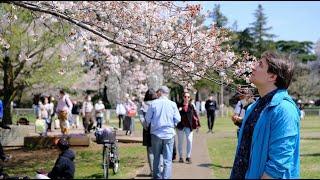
273	77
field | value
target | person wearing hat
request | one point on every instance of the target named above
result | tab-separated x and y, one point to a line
162	116
64	167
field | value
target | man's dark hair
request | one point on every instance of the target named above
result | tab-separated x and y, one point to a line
63	144
62	92
150	95
279	65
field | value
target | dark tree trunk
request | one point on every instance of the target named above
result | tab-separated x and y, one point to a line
8	89
105	97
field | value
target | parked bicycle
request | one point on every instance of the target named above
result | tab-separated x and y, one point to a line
110	150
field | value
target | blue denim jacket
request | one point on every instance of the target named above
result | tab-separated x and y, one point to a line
163	116
275	148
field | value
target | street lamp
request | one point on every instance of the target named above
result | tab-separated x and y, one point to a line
221	74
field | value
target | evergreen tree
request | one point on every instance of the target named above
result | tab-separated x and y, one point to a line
217	16
260	30
245	42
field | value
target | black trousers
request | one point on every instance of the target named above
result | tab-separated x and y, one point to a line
211	118
120	116
174	152
2	155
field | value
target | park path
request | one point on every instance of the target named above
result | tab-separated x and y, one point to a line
200	167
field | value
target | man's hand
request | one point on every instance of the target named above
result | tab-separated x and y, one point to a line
235	118
266	176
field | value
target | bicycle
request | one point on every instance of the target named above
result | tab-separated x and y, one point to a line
110	150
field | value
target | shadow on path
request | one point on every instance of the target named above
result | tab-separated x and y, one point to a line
144	175
312	154
214	165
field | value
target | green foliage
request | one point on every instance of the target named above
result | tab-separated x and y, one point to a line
206	84
217	16
242	41
33	53
50	73
260	30
301	50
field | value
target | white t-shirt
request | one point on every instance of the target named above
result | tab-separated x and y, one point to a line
87	107
99	106
239	109
120	109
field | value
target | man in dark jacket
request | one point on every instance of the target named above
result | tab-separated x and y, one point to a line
211	107
64	167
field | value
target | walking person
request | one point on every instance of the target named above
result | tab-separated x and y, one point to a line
163	116
44	116
211	107
131	110
121	112
52	112
87	109
146	141
63	110
99	110
189	121
269	138
76	113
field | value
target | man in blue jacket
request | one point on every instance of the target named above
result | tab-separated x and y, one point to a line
269	139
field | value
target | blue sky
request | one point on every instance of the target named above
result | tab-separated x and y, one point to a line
290	20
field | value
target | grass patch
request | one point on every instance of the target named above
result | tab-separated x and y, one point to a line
88	161
222	148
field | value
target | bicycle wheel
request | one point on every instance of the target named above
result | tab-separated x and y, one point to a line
116	159
106	157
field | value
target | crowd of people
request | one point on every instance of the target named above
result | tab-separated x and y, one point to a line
67	113
268	134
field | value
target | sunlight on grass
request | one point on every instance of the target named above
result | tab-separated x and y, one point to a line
222	148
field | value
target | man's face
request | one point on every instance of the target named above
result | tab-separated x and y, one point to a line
260	76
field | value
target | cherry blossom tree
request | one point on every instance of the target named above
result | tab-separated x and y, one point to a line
160	31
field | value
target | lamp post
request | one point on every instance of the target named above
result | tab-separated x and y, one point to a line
221	74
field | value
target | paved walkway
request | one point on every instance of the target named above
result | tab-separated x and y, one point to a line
199	169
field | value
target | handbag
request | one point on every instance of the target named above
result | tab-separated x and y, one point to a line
40	125
195	121
132	113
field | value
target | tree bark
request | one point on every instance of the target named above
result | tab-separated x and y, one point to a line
8	88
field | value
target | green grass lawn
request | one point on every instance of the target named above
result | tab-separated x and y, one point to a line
222	149
88	161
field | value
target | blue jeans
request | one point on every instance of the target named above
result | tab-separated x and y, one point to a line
151	158
164	147
189	135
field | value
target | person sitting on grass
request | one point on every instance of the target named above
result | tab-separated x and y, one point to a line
64	167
